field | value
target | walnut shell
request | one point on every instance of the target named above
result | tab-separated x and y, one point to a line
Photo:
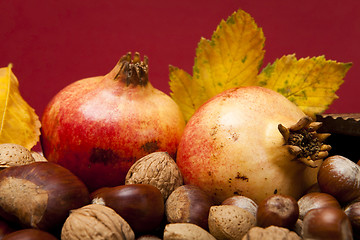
12	154
96	221
157	169
272	232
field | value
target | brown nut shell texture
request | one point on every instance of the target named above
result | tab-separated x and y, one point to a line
96	221
272	232
13	200
40	195
230	222
39	157
188	231
12	154
157	169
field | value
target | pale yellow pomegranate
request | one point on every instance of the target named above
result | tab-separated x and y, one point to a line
251	141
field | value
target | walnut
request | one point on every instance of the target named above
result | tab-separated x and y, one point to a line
270	233
12	154
157	169
96	221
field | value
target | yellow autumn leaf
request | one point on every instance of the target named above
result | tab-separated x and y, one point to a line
19	122
180	83
231	58
310	83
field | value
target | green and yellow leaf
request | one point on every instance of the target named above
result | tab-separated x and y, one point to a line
231	58
311	83
19	122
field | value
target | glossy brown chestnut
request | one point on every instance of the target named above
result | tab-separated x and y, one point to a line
242	202
40	195
141	205
5	228
316	200
29	234
340	177
148	237
188	204
314	188
326	223
278	210
353	213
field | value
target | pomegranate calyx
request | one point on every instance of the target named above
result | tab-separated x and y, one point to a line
133	71
304	142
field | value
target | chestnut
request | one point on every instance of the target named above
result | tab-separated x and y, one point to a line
242	202
353	212
6	228
141	205
316	200
327	223
313	188
188	204
40	195
278	210
29	234
148	237
340	177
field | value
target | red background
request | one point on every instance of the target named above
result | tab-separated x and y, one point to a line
53	43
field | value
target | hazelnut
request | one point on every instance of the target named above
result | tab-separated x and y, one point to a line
141	205
271	232
12	154
29	234
316	200
326	223
188	231
340	177
96	221
188	204
242	202
278	210
40	195
230	222
157	169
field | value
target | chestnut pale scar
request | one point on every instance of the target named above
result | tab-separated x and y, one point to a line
23	199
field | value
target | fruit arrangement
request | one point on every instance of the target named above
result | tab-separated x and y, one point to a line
232	154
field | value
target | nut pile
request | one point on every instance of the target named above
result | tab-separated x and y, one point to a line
155	204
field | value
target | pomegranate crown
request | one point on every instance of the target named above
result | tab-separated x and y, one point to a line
133	71
304	142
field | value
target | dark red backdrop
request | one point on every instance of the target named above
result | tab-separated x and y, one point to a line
53	43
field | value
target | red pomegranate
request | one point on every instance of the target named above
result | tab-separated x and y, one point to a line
98	127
